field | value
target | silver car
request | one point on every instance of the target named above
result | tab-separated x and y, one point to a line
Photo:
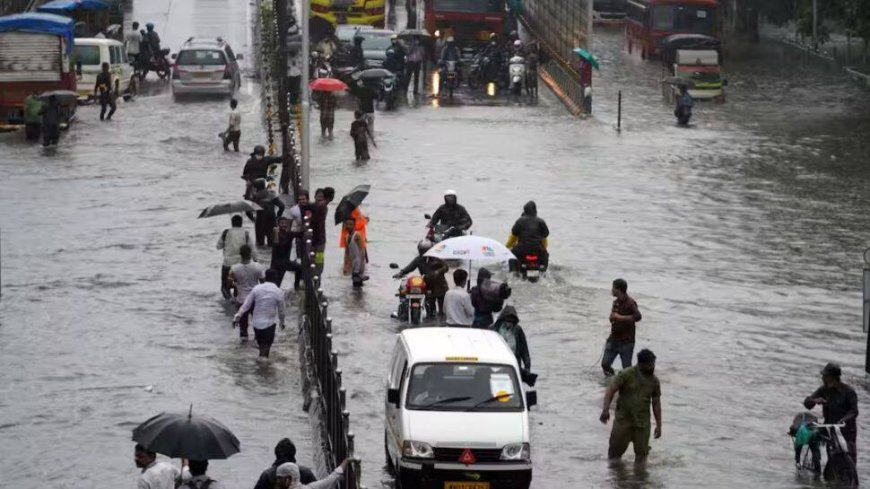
205	67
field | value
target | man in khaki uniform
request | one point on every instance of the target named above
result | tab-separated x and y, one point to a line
638	388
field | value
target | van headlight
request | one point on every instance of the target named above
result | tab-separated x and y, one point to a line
417	449
516	451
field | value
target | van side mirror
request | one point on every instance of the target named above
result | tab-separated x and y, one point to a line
394	266
427	216
393	397
531	398
173	56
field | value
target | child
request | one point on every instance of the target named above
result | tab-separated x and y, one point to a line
361	134
354	254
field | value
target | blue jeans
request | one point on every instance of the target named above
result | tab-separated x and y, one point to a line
624	349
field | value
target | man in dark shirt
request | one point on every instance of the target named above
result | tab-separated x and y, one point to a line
50	121
322	198
285	451
839	405
623	318
103	91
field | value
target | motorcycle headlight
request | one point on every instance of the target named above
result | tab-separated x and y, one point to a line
417	449
516	451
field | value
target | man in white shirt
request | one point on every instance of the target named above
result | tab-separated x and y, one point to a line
245	276
267	301
156	475
132	38
457	303
234	129
231	242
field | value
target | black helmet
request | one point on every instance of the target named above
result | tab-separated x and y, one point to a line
423	246
833	370
259	150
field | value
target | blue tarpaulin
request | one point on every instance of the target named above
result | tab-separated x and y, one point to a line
67	6
41	23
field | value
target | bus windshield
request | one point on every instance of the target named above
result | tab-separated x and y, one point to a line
469	6
683	19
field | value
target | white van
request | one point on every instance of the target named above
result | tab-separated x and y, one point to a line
456	415
88	56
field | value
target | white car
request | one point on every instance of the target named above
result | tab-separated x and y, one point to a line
456	412
205	67
89	54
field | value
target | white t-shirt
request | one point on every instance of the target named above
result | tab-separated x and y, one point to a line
235	120
457	307
246	277
132	39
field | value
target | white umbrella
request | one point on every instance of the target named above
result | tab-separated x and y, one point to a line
471	248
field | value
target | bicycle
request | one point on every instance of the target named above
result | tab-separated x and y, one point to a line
840	468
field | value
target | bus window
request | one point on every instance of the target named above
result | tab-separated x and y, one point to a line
685	19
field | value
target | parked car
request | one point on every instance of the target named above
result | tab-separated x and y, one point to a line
346	32
205	67
375	44
88	56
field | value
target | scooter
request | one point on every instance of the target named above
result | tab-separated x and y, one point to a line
158	64
412	298
450	75
531	267
517	73
390	92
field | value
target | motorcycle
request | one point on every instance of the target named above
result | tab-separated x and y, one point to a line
389	92
531	267
412	298
440	232
517	73
158	64
450	76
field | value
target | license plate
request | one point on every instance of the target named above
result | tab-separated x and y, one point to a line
466	485
202	75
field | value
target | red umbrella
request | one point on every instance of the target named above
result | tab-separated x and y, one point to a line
328	85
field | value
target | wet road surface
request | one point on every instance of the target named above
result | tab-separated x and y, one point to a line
740	238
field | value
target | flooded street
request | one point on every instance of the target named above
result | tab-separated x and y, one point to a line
740	237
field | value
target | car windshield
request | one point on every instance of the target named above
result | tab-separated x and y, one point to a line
87	55
463	387
376	43
683	19
469	6
208	57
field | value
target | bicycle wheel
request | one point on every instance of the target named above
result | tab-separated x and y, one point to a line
841	469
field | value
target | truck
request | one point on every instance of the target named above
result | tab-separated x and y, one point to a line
697	59
35	58
356	12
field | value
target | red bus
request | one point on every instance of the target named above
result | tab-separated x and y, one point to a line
468	21
649	21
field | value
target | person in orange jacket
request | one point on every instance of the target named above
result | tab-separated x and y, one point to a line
361	222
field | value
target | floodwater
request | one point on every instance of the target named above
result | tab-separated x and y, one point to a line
740	238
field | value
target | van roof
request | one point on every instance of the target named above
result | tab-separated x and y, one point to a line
97	41
204	42
444	344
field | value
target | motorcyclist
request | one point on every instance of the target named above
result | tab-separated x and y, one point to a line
529	235
433	271
357	54
152	39
517	48
684	102
396	59
450	52
494	53
451	214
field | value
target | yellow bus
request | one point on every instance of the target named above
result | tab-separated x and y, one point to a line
368	12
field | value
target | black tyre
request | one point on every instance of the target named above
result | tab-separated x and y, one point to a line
841	469
163	73
416	315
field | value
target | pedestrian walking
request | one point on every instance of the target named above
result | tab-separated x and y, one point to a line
33	106
319	213
624	316
157	475
638	388
132	41
361	134
245	276
360	227
282	248
458	310
198	477
271	208
105	92
416	57
288	477
231	242
366	99
50	122
328	103
266	301
484	305
839	405
234	128
285	451
354	254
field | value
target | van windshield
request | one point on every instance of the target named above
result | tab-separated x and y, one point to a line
464	387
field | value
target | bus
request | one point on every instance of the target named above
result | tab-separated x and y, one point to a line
608	12
357	12
648	22
470	22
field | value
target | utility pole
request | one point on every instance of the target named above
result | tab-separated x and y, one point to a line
305	132
866	315
815	24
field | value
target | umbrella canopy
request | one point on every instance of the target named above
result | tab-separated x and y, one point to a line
350	202
187	436
471	248
66	6
679	82
586	55
373	74
328	85
229	208
412	33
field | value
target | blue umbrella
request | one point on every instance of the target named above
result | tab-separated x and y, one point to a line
586	55
66	6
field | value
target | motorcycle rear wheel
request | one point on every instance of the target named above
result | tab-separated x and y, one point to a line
416	315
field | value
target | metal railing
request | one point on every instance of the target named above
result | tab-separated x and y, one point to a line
320	355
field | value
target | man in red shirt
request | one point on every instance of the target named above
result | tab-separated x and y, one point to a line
623	318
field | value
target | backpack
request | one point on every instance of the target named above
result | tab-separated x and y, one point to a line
191	485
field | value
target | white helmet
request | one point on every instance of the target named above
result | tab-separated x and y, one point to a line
450	192
450	39
518	43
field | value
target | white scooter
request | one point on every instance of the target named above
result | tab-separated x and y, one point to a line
517	73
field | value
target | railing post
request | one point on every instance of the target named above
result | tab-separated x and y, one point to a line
619	112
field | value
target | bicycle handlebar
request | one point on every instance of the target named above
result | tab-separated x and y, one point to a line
834	425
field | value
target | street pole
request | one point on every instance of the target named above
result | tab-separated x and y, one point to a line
305	130
866	315
815	24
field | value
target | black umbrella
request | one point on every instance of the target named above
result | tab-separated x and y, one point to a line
414	33
373	74
187	436
230	208
350	202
